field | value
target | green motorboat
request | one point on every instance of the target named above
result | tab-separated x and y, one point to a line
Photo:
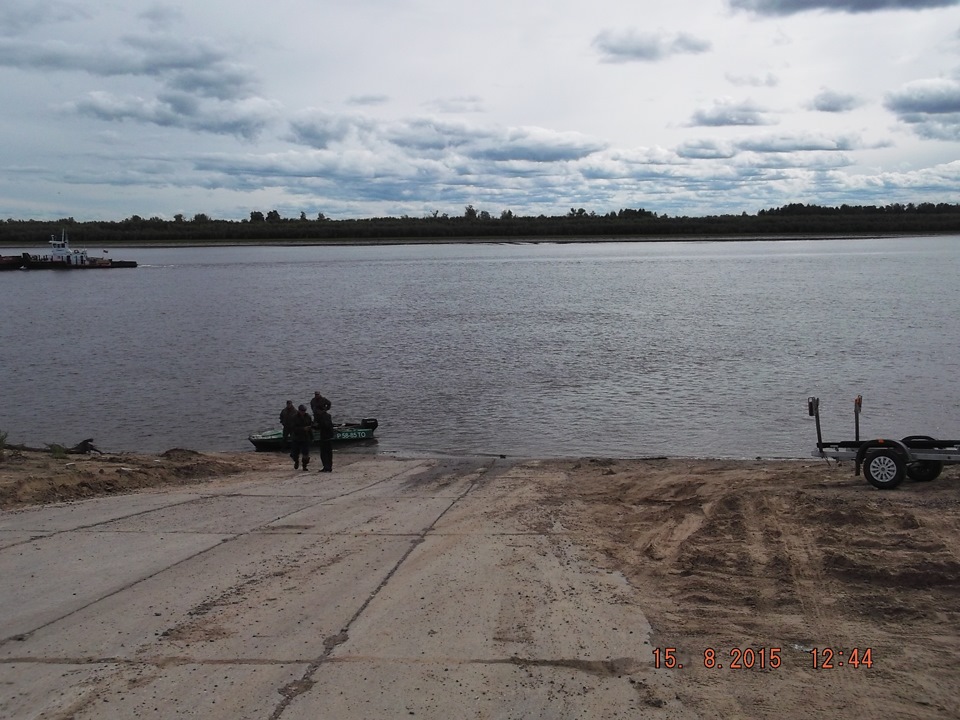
272	440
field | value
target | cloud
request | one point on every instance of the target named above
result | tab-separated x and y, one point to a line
368	99
357	163
768	80
727	112
930	107
834	102
790	7
794	161
706	150
929	97
199	87
320	129
790	143
245	119
436	138
461	104
184	64
535	145
194	65
789	147
163	16
631	46
428	134
17	16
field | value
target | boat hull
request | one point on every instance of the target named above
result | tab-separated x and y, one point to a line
272	440
34	264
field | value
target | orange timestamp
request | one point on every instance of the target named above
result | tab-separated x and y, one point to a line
762	658
828	658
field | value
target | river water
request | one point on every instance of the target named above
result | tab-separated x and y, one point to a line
543	350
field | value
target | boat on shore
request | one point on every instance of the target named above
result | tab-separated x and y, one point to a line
62	257
272	440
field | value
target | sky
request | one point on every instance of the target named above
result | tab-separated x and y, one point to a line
372	108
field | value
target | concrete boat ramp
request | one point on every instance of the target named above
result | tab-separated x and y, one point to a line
422	587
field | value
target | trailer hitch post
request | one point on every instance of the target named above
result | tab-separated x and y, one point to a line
857	405
813	408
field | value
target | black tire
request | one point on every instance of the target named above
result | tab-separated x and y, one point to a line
924	470
884	468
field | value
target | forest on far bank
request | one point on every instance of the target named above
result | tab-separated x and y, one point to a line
626	224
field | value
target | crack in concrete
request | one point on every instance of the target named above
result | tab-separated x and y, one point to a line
602	668
296	688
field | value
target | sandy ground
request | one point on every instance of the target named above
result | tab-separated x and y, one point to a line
773	566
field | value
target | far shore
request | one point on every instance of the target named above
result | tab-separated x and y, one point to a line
546	240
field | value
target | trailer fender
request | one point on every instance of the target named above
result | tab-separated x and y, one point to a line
922	470
888	460
865	447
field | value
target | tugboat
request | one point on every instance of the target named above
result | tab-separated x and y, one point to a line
63	257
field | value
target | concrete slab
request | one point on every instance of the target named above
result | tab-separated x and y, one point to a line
87	513
497	626
442	603
228	514
378	515
51	577
144	691
9	539
295	483
434	477
31	690
346	478
276	597
499	688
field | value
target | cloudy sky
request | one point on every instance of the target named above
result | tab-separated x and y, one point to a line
361	108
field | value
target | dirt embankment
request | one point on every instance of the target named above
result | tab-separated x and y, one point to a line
30	477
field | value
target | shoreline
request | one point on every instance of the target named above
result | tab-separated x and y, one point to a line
33	476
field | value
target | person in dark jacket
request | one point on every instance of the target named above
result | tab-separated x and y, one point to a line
286	420
301	432
327	433
318	403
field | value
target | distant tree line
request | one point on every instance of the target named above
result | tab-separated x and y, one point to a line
480	225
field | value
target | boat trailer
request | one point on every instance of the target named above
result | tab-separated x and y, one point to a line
887	462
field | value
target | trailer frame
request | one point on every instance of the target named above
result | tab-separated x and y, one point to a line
885	461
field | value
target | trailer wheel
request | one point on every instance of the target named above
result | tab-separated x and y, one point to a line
924	470
884	468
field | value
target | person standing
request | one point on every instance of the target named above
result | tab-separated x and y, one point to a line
301	431
286	421
318	404
327	433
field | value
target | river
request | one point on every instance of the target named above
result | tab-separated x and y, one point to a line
614	349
